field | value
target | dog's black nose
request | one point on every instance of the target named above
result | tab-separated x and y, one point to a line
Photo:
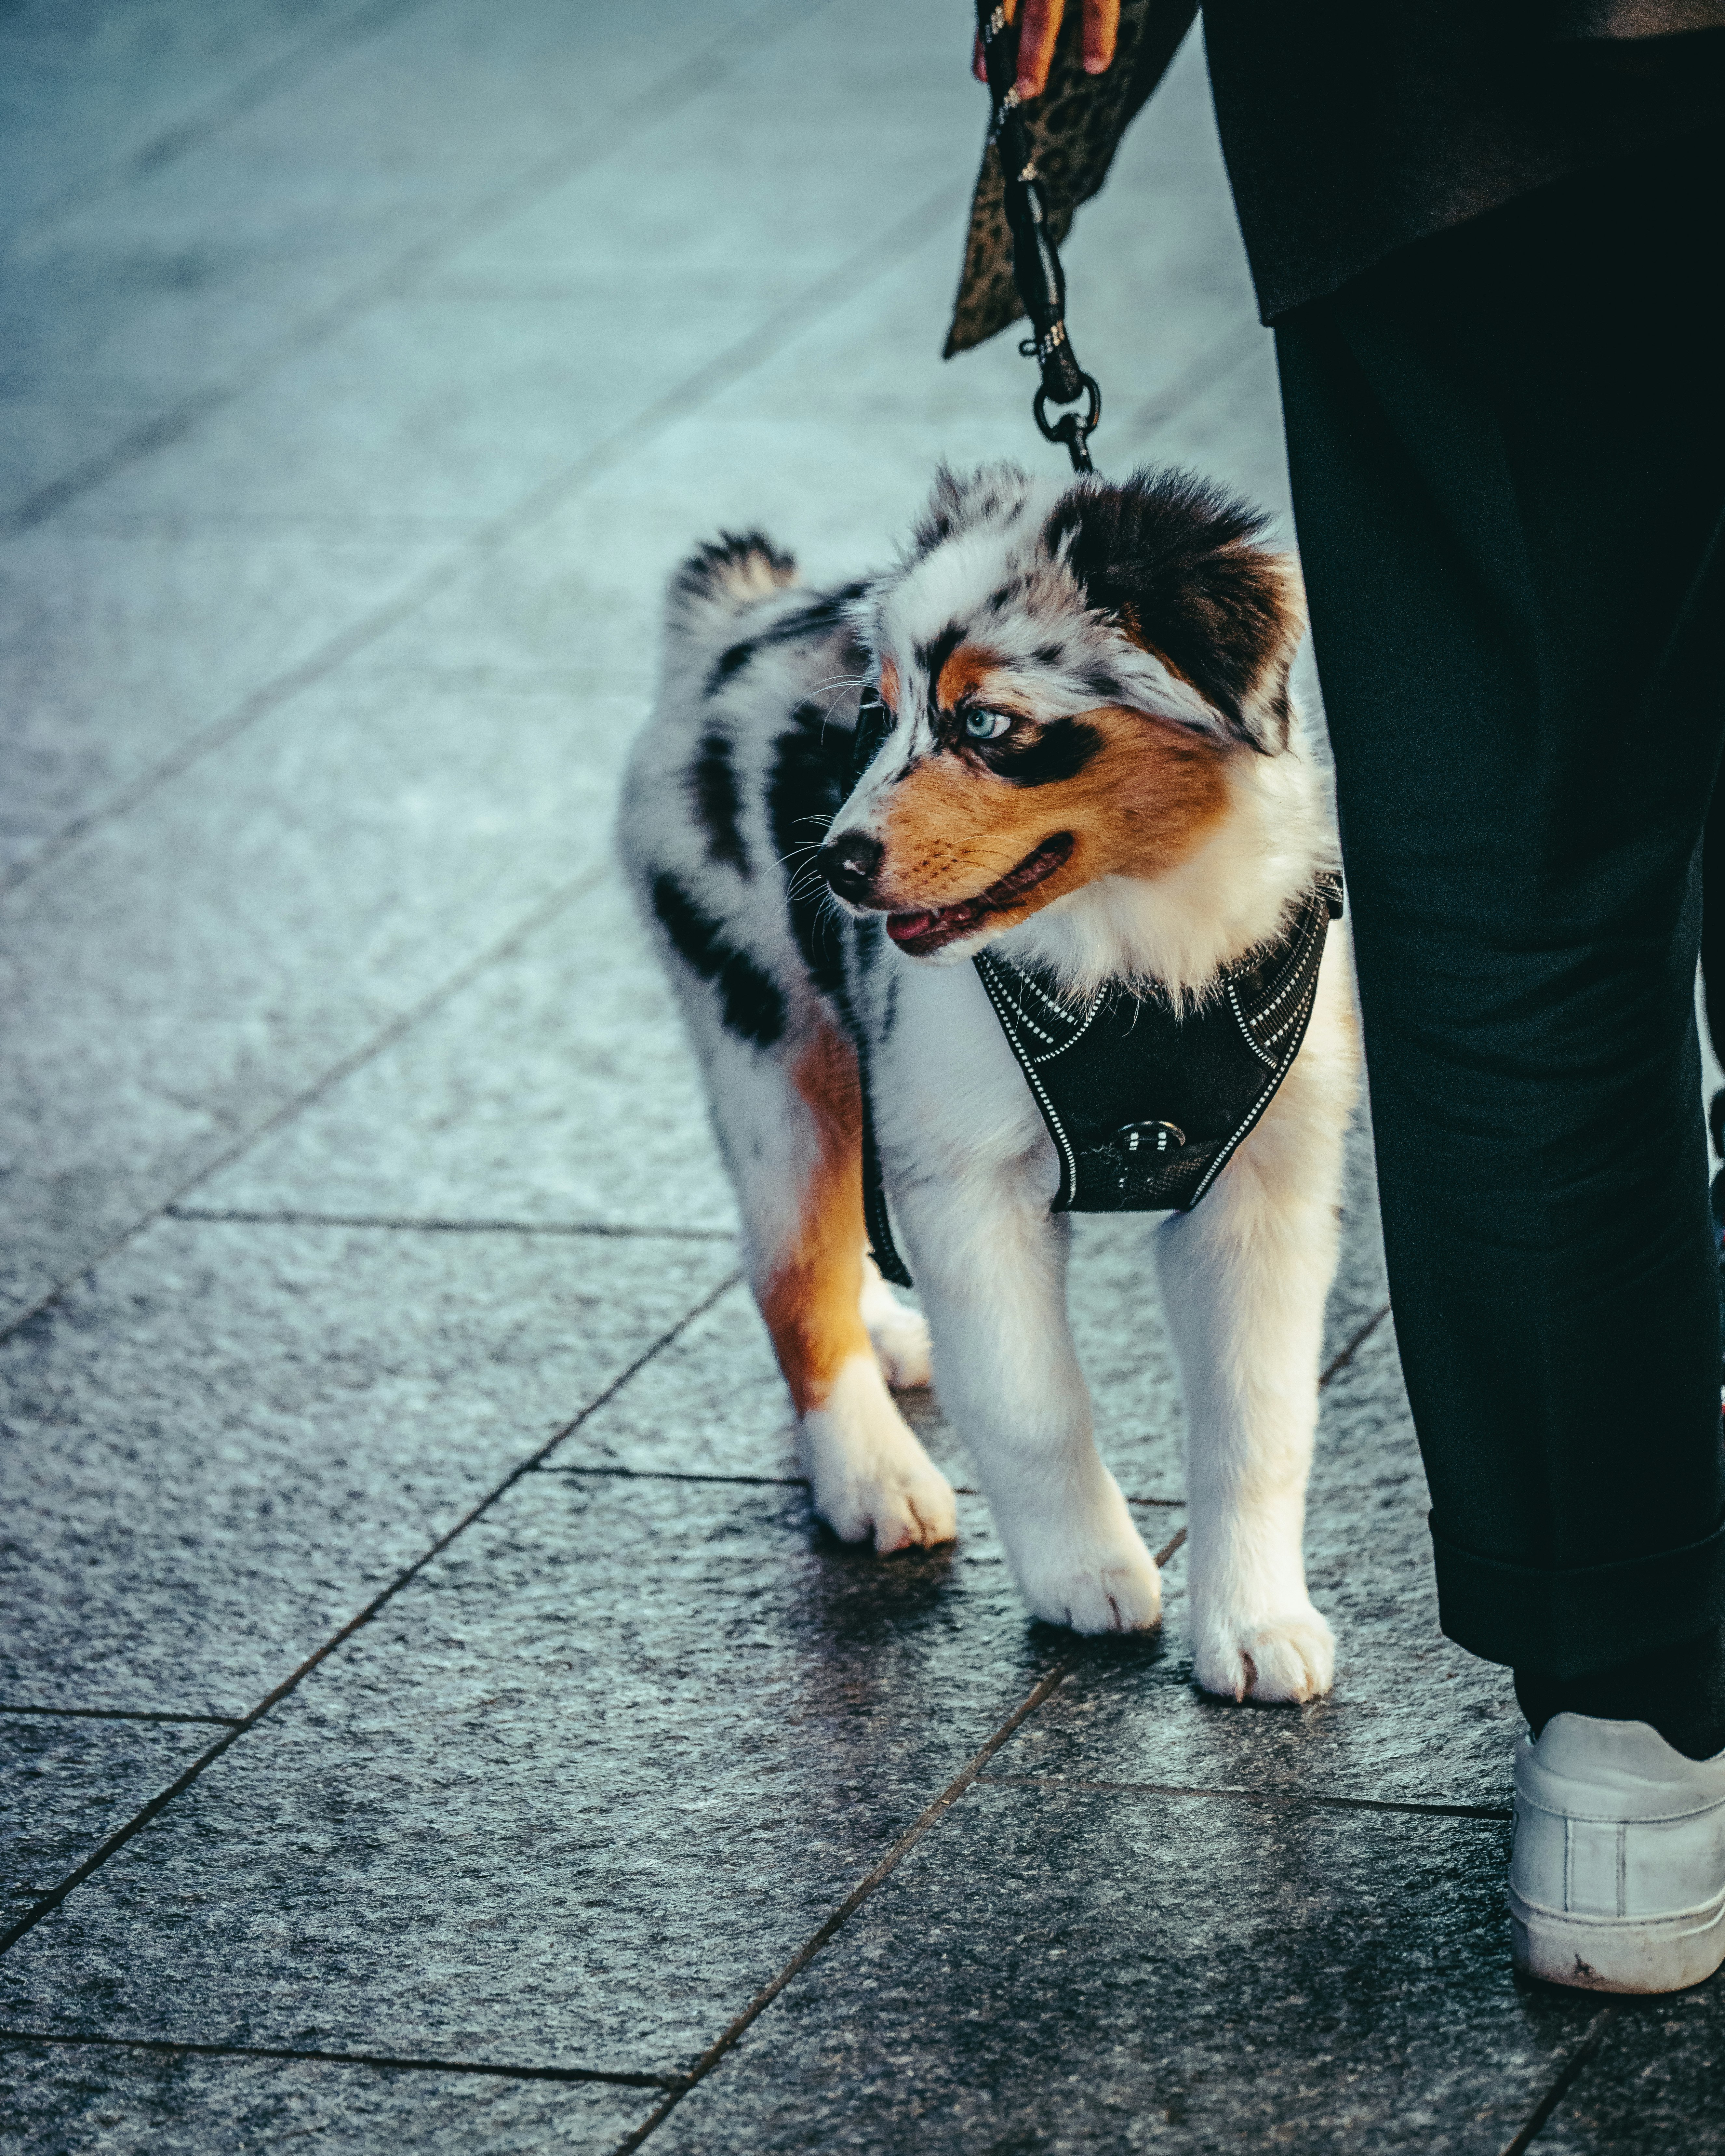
848	864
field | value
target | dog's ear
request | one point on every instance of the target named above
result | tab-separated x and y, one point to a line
1179	567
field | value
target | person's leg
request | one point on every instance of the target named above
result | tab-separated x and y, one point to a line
1508	457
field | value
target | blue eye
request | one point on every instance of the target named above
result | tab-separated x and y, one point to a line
986	726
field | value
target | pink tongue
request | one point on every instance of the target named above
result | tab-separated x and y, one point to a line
912	928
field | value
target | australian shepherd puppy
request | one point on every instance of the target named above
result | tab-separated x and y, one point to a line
1080	750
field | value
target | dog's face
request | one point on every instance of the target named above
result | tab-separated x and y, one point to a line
1063	677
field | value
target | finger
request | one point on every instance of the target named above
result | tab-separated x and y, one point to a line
1101	26
1036	43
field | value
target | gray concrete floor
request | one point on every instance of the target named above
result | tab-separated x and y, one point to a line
432	1719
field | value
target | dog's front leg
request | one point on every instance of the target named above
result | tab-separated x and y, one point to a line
1244	1281
991	1267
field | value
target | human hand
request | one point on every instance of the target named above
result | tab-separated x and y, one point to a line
1036	40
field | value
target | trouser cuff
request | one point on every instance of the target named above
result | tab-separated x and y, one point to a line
1572	1623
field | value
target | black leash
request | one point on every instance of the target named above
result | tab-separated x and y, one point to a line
1035	260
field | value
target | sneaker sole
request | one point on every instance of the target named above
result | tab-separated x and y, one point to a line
1618	1953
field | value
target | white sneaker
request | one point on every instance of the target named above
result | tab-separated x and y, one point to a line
1617	1882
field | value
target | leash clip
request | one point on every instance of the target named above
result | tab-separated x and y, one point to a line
1069	429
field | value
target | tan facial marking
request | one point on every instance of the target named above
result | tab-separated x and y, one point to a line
968	669
1147	796
811	1299
889	685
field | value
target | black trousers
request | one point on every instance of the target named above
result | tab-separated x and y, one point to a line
1508	455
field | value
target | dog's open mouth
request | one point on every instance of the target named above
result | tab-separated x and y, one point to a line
920	933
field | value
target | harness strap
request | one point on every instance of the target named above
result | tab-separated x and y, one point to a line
875	1217
1145	1109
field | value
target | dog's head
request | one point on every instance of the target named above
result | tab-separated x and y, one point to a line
1063	678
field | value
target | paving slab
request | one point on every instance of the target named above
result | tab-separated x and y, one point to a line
571	1798
713	1403
505	362
66	1783
217	1450
106	661
1657	2082
226	253
106	2099
191	967
1072	1971
831	441
1412	1718
86	90
557	1088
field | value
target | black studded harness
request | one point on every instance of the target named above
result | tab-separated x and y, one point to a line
1146	1107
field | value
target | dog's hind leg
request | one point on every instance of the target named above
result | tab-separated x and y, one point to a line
899	1334
1244	1278
792	1133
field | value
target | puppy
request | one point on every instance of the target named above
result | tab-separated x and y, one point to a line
1078	753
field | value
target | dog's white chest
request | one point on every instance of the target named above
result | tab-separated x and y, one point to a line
949	1098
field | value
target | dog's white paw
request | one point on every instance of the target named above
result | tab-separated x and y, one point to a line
870	1475
900	1335
1092	1574
1289	1656
1122	1596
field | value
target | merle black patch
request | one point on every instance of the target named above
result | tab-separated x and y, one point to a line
831	610
712	783
932	657
729	663
752	1003
1051	654
816	715
1059	750
1172	555
805	791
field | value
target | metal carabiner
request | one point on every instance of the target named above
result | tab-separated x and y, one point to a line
1069	428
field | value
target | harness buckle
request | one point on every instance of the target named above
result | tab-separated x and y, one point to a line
1151	1137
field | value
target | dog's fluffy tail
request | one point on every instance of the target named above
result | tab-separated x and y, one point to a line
721	577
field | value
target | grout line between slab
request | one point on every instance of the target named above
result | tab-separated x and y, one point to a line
1571	2071
1339	1362
767	1481
701	72
547	908
739	359
286	71
374	2059
239	1217
100	1856
122	1714
1288	1799
925	1823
